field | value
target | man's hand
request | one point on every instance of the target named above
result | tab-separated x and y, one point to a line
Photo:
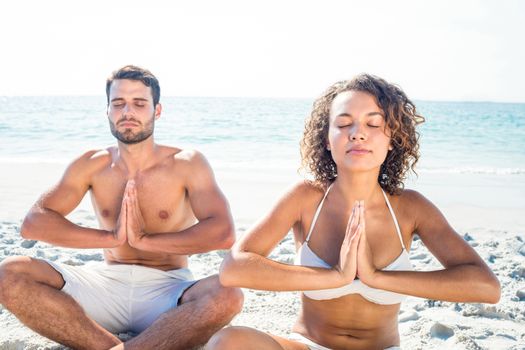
134	219
119	233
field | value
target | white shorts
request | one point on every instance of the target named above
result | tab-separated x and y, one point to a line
122	297
314	346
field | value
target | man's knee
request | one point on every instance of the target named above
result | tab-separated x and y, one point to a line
223	302
11	270
16	272
231	298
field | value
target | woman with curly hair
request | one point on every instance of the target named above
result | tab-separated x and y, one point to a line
353	226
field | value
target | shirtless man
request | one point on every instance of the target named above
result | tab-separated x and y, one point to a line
155	205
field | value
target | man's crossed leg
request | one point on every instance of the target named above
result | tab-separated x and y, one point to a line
32	290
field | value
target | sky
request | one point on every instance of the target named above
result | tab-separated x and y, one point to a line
435	50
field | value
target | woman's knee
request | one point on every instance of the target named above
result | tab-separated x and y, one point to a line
231	338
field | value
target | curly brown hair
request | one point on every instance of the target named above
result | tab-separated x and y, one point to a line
401	119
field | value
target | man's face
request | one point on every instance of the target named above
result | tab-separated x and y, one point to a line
131	113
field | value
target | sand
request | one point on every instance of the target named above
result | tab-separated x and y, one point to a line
494	228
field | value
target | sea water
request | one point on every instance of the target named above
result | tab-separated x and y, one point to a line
472	153
259	133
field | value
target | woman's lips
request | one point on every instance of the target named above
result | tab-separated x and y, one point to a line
358	151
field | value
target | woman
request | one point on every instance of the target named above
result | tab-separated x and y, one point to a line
353	226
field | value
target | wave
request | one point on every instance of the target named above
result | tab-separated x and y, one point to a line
34	160
278	164
473	170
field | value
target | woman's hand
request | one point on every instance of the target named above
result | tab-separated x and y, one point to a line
347	266
366	270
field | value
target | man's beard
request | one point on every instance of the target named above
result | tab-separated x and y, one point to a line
128	137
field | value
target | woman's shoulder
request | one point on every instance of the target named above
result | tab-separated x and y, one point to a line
302	194
412	201
308	189
409	195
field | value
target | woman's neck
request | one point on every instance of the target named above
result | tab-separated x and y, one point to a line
358	186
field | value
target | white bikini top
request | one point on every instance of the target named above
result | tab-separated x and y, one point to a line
306	257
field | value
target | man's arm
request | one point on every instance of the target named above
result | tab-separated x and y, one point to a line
215	228
46	219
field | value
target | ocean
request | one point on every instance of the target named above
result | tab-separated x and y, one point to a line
259	133
472	153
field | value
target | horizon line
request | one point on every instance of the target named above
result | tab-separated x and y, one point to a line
274	97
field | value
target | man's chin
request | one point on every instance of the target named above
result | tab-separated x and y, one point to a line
131	141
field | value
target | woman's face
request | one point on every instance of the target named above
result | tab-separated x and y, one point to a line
358	137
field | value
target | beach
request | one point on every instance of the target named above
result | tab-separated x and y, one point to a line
423	324
479	193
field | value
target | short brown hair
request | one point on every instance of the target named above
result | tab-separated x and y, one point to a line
136	73
400	116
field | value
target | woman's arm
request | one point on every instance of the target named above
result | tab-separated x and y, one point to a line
247	265
465	277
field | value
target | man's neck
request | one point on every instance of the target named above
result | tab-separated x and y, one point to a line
138	156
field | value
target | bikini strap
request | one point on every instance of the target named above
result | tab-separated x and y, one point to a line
317	213
395	219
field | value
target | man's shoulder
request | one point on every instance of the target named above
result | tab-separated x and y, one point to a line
188	164
182	157
189	155
96	156
93	159
182	161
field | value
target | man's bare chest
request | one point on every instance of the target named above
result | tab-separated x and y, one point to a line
163	201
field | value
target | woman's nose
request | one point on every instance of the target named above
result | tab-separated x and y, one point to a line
357	133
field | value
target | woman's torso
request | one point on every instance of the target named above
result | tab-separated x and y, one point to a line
353	316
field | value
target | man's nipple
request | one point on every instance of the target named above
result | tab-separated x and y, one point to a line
163	214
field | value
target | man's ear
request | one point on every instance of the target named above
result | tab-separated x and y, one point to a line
158	111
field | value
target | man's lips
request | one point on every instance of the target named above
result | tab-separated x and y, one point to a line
128	124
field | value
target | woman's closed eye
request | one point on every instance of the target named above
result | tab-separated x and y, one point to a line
345	125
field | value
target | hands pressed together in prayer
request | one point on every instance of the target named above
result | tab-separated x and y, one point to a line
355	258
130	223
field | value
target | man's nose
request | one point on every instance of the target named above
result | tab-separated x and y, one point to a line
127	109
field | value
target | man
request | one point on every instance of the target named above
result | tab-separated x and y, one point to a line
155	205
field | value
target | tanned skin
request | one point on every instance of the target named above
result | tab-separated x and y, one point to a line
355	234
155	205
